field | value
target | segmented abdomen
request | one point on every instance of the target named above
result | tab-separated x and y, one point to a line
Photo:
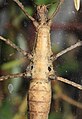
39	99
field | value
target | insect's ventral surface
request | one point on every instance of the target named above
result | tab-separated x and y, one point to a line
40	86
42	53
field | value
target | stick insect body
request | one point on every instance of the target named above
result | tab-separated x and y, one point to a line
40	88
39	94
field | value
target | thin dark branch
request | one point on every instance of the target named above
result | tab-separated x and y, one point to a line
67	50
18	75
9	42
57	9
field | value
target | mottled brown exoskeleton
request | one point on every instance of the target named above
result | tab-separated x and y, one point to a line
40	87
39	94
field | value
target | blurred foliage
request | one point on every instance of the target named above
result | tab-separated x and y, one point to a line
16	23
12	64
6	110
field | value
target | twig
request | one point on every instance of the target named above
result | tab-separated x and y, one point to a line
70	82
67	50
18	75
57	9
9	42
23	9
70	100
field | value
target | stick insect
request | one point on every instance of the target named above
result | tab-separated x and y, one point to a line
39	95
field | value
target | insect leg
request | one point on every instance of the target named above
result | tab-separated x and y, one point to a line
18	75
25	12
56	11
67	50
67	82
9	42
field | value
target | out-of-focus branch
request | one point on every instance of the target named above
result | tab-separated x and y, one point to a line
70	100
22	110
9	42
72	26
67	50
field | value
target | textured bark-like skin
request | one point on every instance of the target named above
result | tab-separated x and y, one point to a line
42	53
40	86
39	97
